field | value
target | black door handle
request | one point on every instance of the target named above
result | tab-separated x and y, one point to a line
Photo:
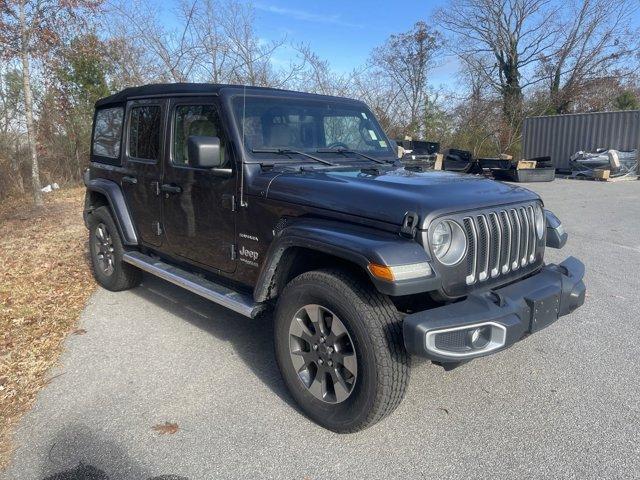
170	188
133	180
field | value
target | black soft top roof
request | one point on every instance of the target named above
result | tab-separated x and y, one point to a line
176	89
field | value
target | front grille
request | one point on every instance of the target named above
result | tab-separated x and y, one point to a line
499	242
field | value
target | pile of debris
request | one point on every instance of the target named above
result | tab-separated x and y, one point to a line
417	155
538	169
604	164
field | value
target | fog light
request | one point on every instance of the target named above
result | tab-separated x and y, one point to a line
466	341
479	337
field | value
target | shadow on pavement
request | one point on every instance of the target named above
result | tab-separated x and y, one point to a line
252	339
79	446
88	472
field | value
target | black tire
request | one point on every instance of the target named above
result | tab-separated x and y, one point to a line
120	276
375	328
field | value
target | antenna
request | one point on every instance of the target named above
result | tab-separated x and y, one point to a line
244	109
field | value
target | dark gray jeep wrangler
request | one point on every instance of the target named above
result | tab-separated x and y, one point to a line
257	198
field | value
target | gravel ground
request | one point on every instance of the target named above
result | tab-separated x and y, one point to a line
564	403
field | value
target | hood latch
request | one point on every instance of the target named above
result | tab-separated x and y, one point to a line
409	225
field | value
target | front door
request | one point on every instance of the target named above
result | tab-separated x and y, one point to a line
198	212
141	181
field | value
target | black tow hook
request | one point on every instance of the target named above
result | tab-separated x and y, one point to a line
496	298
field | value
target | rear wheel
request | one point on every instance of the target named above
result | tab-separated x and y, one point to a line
339	348
106	249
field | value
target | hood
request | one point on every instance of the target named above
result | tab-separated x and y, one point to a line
386	195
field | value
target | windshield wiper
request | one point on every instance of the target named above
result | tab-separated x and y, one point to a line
347	151
288	151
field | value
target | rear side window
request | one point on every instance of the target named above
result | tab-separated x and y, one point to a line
144	132
107	131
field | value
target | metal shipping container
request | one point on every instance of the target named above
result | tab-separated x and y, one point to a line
560	136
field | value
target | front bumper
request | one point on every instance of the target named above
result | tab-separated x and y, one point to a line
505	315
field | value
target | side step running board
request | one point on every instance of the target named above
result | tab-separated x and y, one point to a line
224	296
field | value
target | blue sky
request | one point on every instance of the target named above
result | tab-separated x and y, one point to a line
344	32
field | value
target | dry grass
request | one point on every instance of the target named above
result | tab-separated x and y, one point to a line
44	284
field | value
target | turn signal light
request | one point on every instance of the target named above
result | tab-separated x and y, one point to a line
400	272
381	271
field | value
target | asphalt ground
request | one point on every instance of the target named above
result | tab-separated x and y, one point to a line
564	403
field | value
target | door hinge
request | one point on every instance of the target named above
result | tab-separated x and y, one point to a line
233	251
157	227
230	201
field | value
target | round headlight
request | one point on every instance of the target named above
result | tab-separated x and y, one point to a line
448	242
539	218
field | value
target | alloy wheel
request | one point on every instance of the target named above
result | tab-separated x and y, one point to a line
104	251
323	354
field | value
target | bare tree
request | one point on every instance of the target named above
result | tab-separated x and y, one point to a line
596	41
202	44
252	57
373	88
405	59
130	64
29	29
168	50
500	40
10	126
316	76
212	53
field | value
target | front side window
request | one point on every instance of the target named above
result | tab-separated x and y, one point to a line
195	120
144	132
307	125
107	131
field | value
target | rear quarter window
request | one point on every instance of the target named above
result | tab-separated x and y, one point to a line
144	132
107	133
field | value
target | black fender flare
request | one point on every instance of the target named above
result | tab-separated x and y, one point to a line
556	234
112	191
357	244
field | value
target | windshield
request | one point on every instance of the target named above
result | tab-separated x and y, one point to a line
308	126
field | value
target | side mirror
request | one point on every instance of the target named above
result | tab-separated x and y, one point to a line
204	152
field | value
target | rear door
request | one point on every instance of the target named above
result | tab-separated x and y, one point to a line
141	183
198	204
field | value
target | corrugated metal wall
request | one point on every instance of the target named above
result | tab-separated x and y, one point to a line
560	136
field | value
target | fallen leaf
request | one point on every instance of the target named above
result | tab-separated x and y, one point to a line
39	307
166	429
79	331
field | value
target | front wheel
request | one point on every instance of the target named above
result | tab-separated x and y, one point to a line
339	348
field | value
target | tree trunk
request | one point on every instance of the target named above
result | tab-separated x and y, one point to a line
28	109
15	166
511	91
554	91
